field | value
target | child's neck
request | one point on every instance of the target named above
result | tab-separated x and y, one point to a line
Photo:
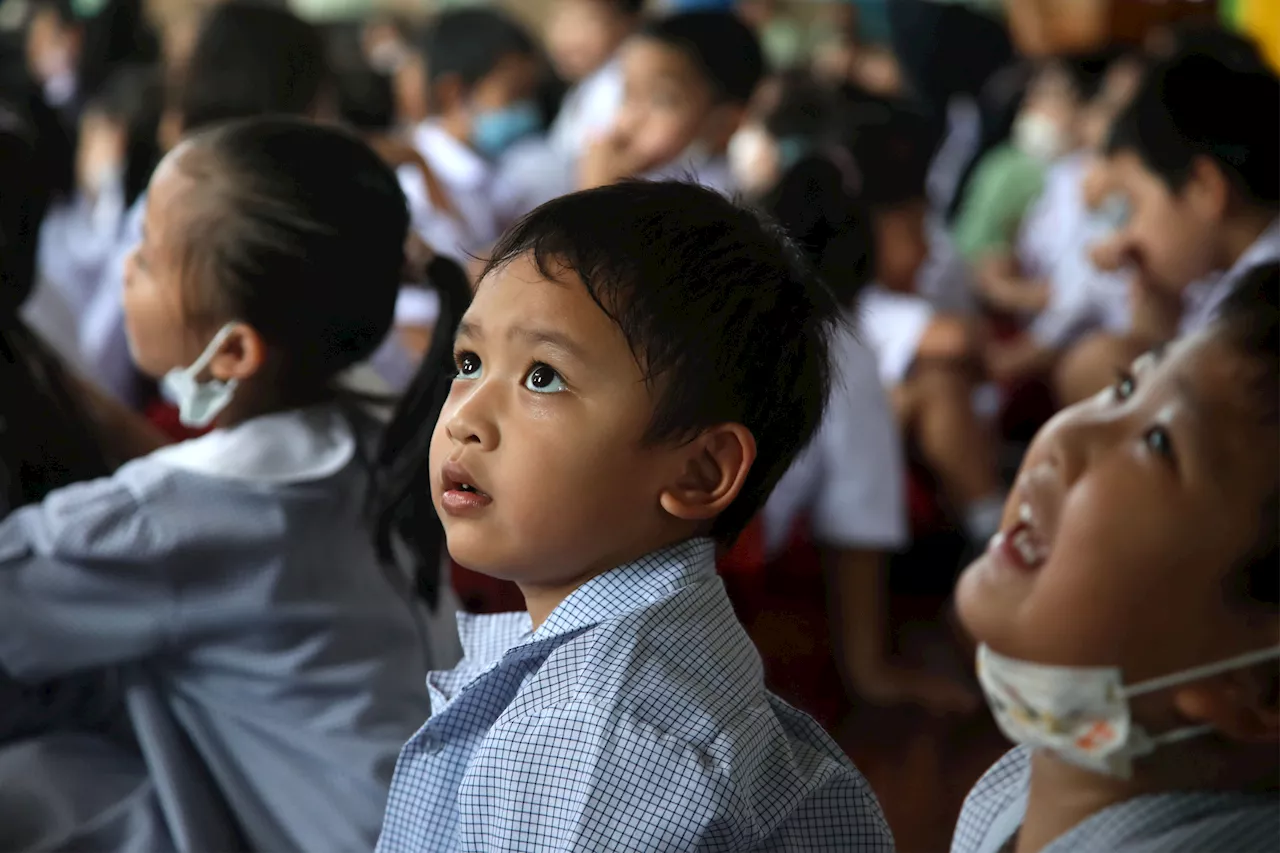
1241	232
541	599
1061	795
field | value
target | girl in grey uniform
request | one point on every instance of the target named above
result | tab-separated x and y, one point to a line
270	667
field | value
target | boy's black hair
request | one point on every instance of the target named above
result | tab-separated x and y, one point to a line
892	144
805	109
366	96
720	44
723	314
251	60
828	222
300	232
1250	320
1200	38
626	7
471	42
118	35
134	97
1086	71
1198	106
45	437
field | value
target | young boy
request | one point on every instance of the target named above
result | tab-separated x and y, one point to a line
640	364
1200	173
482	72
1129	615
687	80
923	357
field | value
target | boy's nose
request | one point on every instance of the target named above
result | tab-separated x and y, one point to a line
1078	439
470	423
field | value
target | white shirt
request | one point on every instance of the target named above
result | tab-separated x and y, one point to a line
467	178
851	479
1053	225
588	109
1202	304
892	325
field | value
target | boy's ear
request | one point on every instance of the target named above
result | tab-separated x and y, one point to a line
715	465
1243	706
1207	189
241	356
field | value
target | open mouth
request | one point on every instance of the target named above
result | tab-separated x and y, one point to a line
1024	543
460	493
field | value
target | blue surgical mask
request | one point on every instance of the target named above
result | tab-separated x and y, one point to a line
199	403
494	131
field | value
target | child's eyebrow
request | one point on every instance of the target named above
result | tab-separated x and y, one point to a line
559	340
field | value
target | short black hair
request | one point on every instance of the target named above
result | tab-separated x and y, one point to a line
134	96
119	34
723	314
1086	71
1250	321
471	42
1197	106
892	144
300	232
252	60
720	44
805	108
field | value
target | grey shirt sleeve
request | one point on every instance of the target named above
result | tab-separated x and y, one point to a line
82	584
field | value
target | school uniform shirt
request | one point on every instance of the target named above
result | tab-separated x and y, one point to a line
1203	303
1053	224
634	718
710	171
235	572
945	279
1173	822
468	179
851	479
588	109
78	239
892	324
442	232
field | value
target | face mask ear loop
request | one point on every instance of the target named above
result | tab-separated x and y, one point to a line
1198	673
211	351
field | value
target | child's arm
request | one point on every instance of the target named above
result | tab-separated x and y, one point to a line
1002	289
1021	358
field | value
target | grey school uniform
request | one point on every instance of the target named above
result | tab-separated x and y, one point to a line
230	582
1173	822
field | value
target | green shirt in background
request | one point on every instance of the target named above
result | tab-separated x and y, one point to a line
1004	186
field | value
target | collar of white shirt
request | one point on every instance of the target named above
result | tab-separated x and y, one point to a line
1204	305
629	587
299	446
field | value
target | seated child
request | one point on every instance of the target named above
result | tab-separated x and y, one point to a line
233	570
1202	181
687	79
1068	296
640	364
850	482
280	69
924	358
1128	614
481	72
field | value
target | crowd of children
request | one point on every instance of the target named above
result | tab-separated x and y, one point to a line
295	322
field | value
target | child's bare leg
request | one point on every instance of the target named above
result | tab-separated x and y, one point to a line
937	404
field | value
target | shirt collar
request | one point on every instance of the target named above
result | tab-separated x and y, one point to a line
456	163
1205	301
288	447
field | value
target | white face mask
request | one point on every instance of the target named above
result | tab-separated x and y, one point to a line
1039	136
1082	713
1112	214
200	402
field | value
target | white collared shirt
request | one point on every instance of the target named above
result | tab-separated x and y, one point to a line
589	109
467	178
1202	303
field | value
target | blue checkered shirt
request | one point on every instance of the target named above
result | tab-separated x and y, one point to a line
1173	822
634	719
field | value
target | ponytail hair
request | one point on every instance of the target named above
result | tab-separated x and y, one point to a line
406	528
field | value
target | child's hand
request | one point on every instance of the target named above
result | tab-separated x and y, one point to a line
609	159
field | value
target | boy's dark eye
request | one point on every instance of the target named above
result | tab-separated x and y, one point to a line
1158	441
1125	385
468	365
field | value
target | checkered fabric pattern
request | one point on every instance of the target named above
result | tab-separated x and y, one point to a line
634	718
1177	822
